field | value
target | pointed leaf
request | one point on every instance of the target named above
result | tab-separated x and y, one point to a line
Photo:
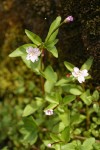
50	75
69	66
54	137
33	37
69	98
52	98
28	111
21	51
87	64
51	106
63	81
53	50
52	28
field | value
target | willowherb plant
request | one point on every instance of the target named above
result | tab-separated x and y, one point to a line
53	127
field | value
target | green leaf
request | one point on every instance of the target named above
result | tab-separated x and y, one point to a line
28	110
96	146
95	95
88	144
69	146
33	66
58	127
86	97
63	81
50	75
69	98
54	137
51	43
33	37
29	130
51	106
87	64
53	50
69	66
21	51
48	86
52	98
57	146
52	28
65	117
65	134
77	118
73	89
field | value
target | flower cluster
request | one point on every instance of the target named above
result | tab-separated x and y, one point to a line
80	74
33	54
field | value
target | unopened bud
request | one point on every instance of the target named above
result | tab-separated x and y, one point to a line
68	19
68	75
49	145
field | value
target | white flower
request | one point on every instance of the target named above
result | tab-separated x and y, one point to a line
33	54
49	145
80	74
49	112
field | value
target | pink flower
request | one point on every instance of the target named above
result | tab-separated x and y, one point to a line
49	112
80	74
68	19
33	54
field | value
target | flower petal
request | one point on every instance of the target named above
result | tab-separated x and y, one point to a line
76	70
34	58
81	79
75	73
28	57
84	72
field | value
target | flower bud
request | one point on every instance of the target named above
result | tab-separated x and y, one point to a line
68	75
49	145
68	19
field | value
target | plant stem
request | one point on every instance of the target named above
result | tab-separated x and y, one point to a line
41	67
83	138
87	118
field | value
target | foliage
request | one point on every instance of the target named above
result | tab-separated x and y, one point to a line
73	104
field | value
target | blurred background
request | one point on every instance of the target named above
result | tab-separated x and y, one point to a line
77	41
